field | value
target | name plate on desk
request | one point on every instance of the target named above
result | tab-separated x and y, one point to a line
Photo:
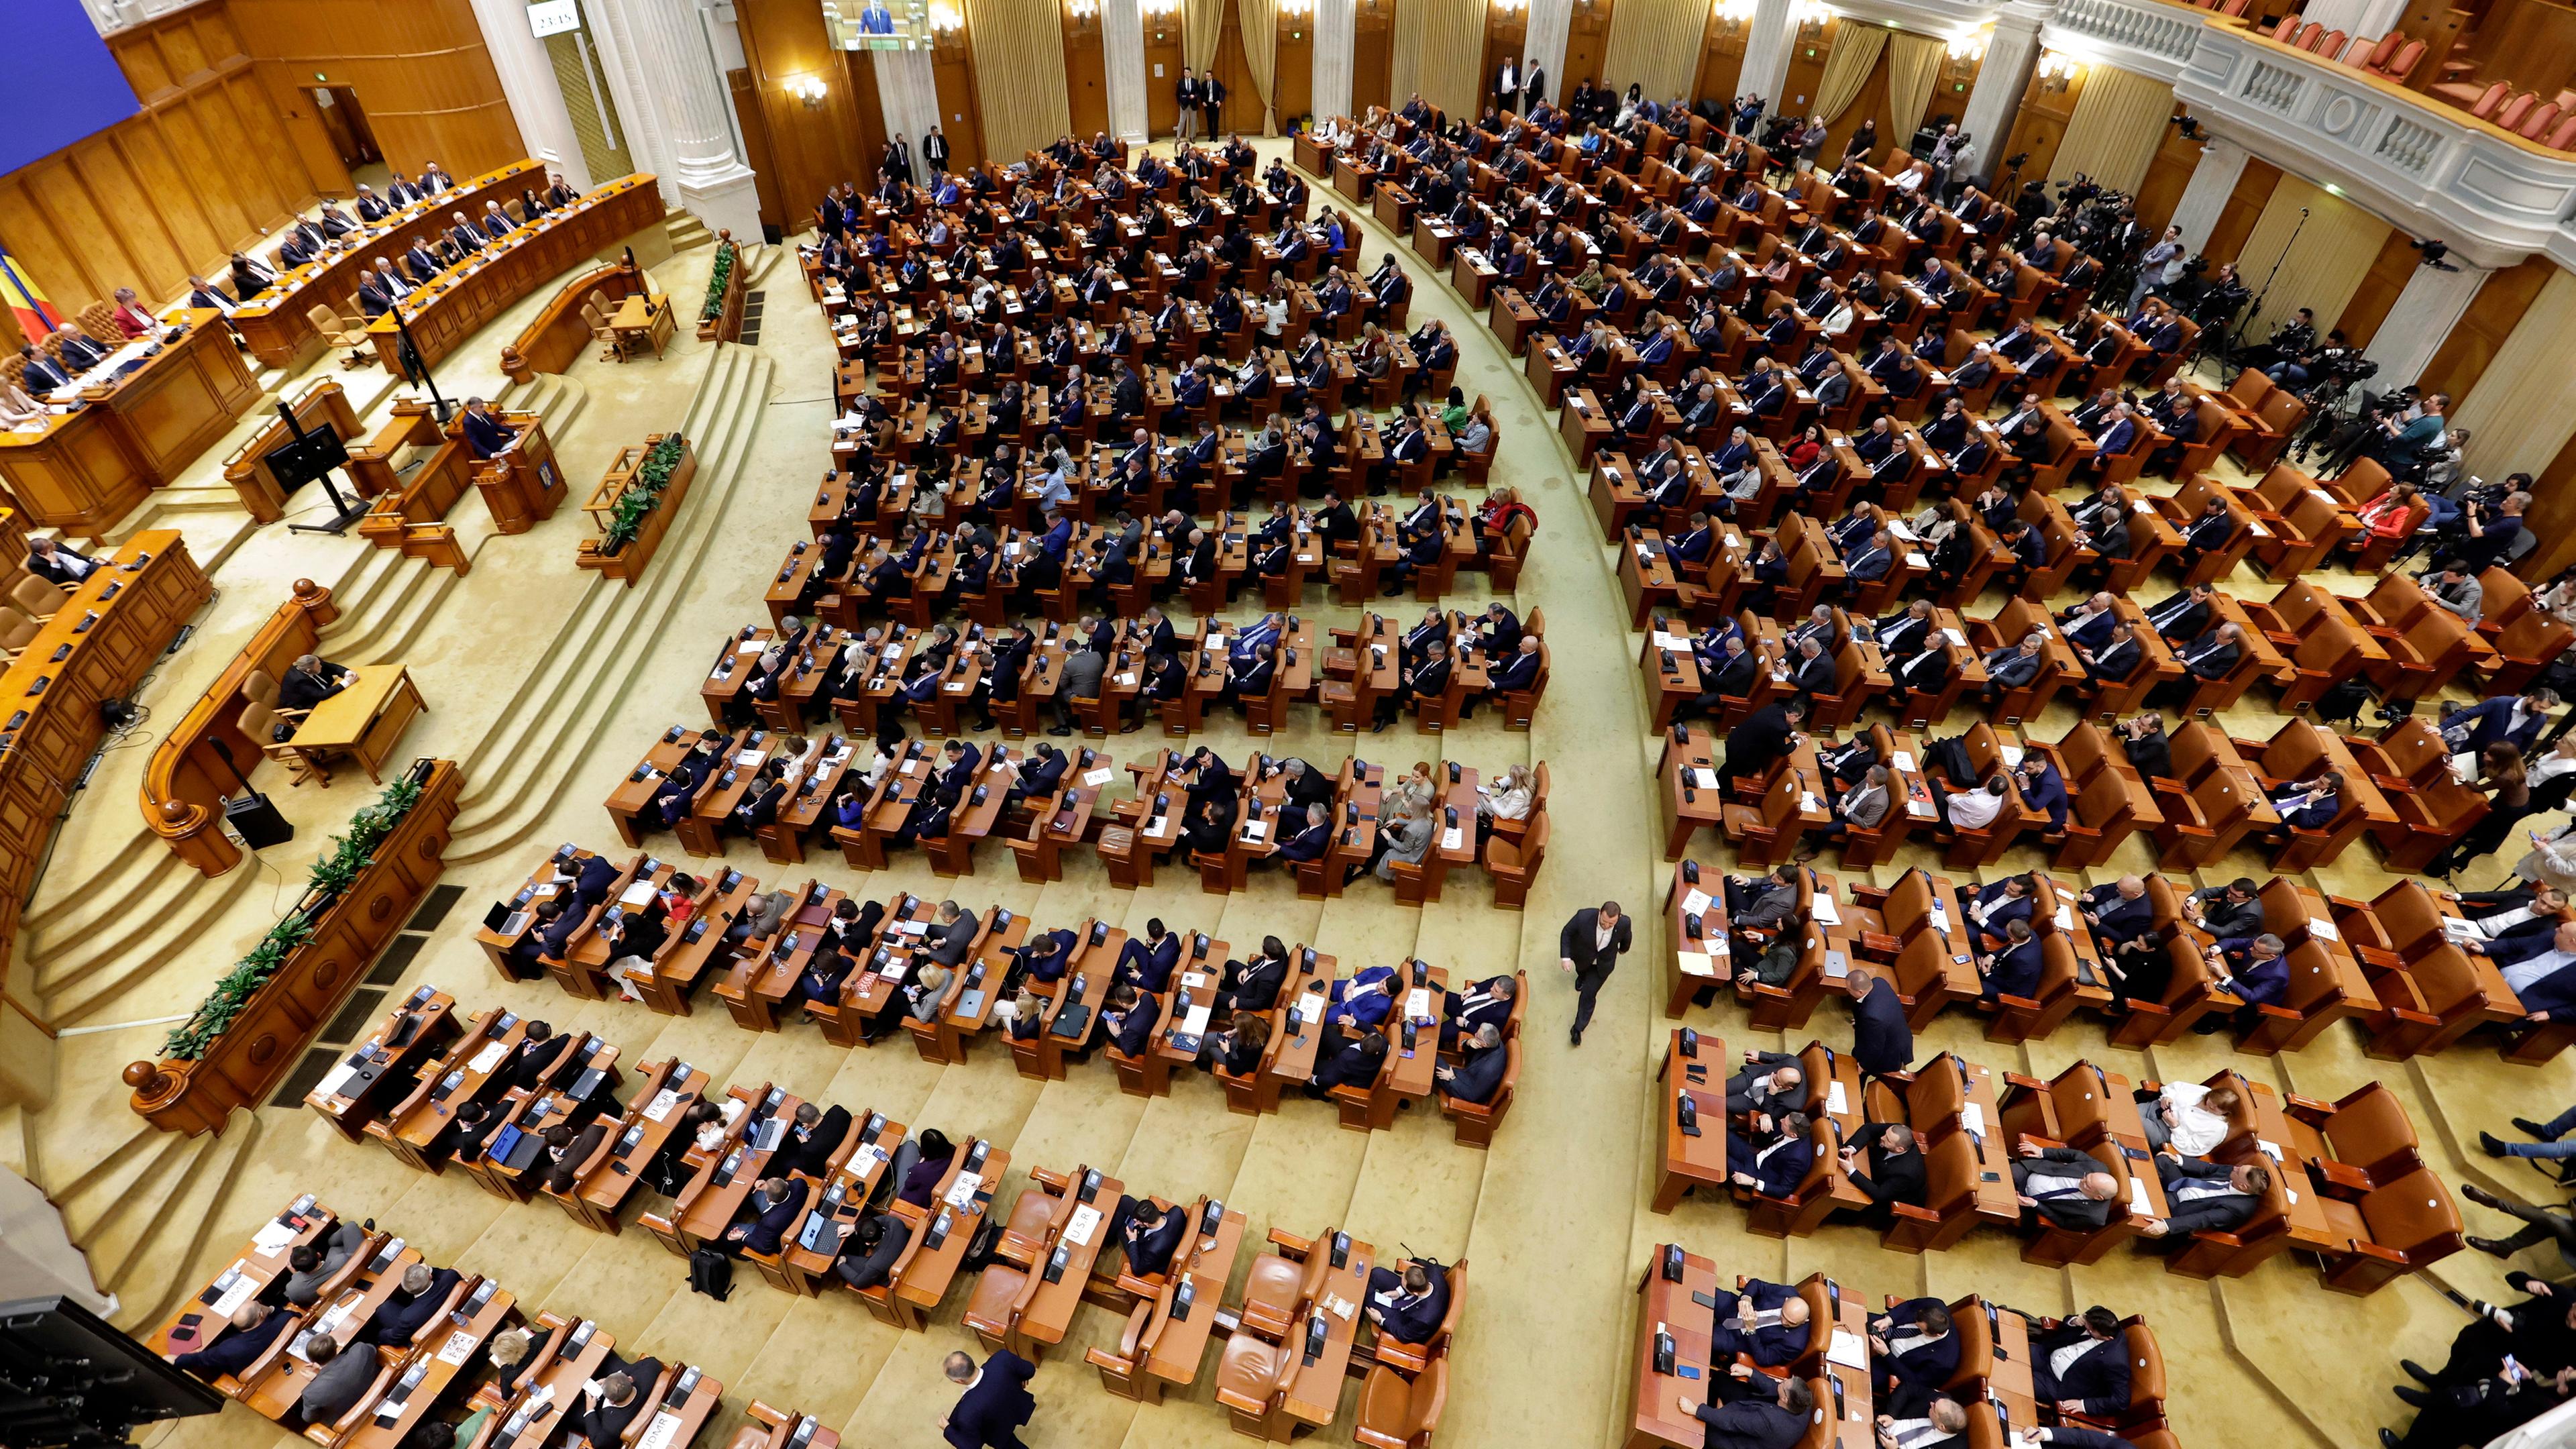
662	1433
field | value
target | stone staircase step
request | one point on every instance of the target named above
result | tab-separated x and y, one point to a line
134	1151
173	922
541	737
145	1270
687	231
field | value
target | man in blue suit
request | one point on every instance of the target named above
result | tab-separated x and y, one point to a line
404	1312
2540	967
1481	1063
1767	1321
773	1207
994	1404
2118	912
2042	789
1882	1039
2016	969
2256	968
255	1326
1775	1168
1408	1309
1147	962
2310	804
1310	842
1130	1019
1363	1000
2504	720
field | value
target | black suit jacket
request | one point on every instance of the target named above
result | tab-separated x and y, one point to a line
1882	1041
1756	743
993	1410
811	1152
602	1423
1892	1176
1579	942
403	1315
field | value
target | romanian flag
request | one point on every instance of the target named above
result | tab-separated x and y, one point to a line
27	301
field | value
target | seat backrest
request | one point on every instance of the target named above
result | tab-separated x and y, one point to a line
257	721
1430	1397
2307	39
2562	137
2370	1127
2414	1211
2403	64
2493	97
2386	47
36	596
2542	119
322	318
259	685
1950	1173
2147	1361
16	629
2514	110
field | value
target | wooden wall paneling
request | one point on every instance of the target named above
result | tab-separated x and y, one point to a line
2379	288
952	65
775	209
1506	31
2482	329
1086	74
2553	510
868	111
419	68
2041	125
1373	56
1587	40
1242	110
1806	69
1292	74
812	147
1721	59
2245	203
2167	175
1162	72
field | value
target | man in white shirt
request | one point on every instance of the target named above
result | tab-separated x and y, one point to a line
1943	1423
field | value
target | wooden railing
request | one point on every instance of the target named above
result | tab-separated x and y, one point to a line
461	301
555	340
264	1039
628	563
411	514
107	641
725	324
185	784
323	405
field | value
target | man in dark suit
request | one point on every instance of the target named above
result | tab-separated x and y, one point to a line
2065	1186
2094	1382
566	1153
772	1208
1345	1060
55	564
994	1404
343	1380
42	374
2207	1196
1410	1306
1913	1351
1149	1235
1765	736
610	1403
1588	948
1892	1169
255	1326
1481	1065
1254	985
868	1257
1129	1019
1771	1163
809	1145
1753	1410
1882	1040
486	435
423	1289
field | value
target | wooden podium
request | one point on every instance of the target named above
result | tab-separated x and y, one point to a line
523	485
83	471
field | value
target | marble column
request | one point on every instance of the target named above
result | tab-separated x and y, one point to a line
908	93
1122	43
527	75
1543	42
675	105
2011	55
2213	180
1769	40
1336	32
2421	320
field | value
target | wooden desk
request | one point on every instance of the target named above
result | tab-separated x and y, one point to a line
1689	1161
1655	1419
367	1082
613	1173
643	321
83	471
443	1353
1049	1314
855	1178
260	1263
1314	1392
933	1267
366	720
458	302
1180	1344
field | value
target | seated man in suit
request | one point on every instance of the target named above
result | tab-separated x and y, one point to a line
1345	1060
2081	1365
768	1212
1775	1163
2309	804
566	1152
868	1255
1409	1307
1753	1410
2016	967
1129	1019
255	1326
56	564
810	1143
309	1267
2234	909
2064	1186
611	1402
2119	911
343	1379
1755	1089
1483	1003
1149	1235
1913	1351
1254	985
1894	1165
2207	1196
2011	667
410	1307
1481	1064
2256	968
1766	1322
311	680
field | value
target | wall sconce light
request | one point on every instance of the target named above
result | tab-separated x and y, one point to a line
1810	18
948	19
2057	71
1969	47
807	88
1296	9
1162	9
1510	7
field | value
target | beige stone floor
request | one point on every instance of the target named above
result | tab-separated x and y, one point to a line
1553	1218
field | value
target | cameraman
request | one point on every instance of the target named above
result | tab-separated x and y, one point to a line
2408	436
2329	360
2292	339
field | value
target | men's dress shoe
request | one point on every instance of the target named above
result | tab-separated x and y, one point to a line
2415	1370
2493	1146
2537	1132
2414	1396
2479	1195
1578	1036
2489	1246
2388	1439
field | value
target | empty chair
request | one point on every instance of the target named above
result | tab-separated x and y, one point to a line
1395	1414
16	631
2491	100
337	332
2542	120
2408	56
39	600
2514	110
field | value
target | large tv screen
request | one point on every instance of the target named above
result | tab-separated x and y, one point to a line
63	83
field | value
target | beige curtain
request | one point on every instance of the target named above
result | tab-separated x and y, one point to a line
1260	20
2119	122
1202	24
2334	252
1019	74
1847	67
1655	44
2518	412
1440	52
1913	69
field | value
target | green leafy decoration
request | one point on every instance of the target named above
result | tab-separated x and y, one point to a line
643	493
342	862
716	281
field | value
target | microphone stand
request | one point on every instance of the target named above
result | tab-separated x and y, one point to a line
2254	309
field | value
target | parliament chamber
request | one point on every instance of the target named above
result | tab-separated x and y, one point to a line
1053	801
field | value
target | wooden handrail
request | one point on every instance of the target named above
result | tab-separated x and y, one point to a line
185	784
555	339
